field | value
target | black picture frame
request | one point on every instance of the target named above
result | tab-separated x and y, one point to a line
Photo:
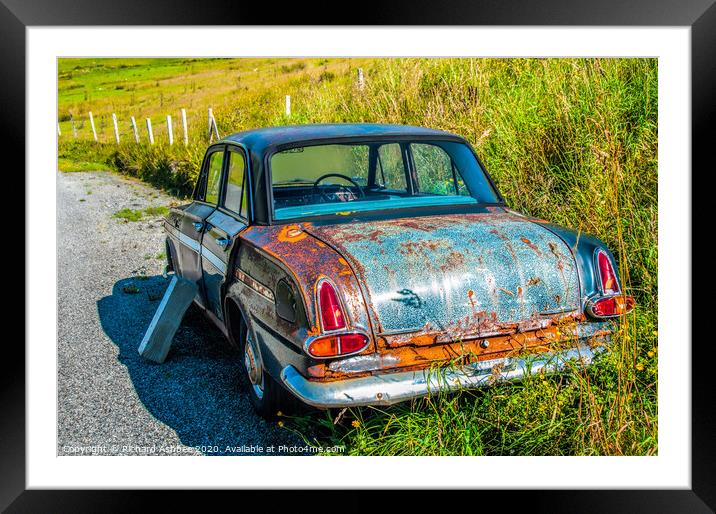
699	15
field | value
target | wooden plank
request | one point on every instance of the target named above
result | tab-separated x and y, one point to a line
158	339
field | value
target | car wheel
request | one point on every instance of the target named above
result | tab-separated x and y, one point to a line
267	396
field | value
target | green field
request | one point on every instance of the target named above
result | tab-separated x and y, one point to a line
573	141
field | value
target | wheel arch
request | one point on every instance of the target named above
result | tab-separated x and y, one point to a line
235	321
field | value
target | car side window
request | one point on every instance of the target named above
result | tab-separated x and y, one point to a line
213	182
391	171
436	173
235	198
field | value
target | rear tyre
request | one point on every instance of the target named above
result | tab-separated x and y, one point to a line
267	396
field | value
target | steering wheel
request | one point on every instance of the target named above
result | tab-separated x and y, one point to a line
342	186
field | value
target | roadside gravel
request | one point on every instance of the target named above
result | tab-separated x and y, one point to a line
110	400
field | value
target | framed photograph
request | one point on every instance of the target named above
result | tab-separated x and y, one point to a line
308	250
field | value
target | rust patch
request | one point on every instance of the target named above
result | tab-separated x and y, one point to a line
470	295
291	234
418	355
534	281
299	253
454	261
414	248
532	246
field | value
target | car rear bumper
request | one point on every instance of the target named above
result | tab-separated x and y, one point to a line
390	388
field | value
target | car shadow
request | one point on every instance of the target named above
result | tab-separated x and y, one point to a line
200	390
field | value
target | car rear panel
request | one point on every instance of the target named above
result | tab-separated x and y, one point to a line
444	278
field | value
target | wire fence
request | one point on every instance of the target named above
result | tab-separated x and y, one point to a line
180	127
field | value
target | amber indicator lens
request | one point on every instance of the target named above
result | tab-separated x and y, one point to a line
613	306
337	345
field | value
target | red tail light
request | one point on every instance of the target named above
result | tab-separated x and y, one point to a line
332	317
612	306
336	345
610	285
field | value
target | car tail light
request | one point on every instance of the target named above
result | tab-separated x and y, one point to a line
610	285
612	306
336	345
332	317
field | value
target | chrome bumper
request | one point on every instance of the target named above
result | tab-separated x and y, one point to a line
390	388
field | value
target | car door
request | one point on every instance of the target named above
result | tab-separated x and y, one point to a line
223	227
191	219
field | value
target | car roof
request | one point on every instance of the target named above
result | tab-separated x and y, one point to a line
259	139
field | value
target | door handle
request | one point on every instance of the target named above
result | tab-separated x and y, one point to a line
223	242
198	226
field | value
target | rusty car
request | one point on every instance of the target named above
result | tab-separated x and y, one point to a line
367	264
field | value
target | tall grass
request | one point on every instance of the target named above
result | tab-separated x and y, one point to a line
573	141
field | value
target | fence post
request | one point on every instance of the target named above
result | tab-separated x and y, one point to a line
149	131
74	129
134	128
208	124
116	129
94	131
212	125
361	80
288	105
216	129
183	123
169	130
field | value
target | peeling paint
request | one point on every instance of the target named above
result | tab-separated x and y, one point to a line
445	270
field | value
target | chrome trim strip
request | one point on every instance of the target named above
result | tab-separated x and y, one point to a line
390	388
254	284
189	242
213	259
171	229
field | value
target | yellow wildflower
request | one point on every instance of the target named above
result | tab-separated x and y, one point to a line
280	424
355	423
656	334
650	353
640	366
279	414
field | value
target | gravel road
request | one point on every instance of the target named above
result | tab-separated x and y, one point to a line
110	400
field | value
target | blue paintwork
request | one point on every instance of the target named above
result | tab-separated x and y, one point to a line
584	247
418	273
258	140
393	202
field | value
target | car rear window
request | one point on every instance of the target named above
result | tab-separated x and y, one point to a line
329	179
